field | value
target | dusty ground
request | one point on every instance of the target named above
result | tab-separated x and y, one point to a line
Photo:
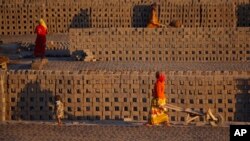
33	131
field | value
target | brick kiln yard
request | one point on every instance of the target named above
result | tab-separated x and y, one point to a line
109	130
181	76
102	62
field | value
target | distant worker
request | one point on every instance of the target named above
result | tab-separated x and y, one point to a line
176	24
59	109
41	31
158	113
153	19
3	62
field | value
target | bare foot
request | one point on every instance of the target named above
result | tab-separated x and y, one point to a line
59	124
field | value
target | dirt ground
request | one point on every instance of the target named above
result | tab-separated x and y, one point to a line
33	131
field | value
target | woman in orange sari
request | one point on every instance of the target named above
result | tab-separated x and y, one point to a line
158	113
41	31
153	22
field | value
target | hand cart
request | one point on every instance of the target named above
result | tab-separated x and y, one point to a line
212	119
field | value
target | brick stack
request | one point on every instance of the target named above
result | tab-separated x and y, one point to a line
2	95
163	44
19	17
124	94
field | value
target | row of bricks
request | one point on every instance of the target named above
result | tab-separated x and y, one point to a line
240	103
126	1
57	29
126	89
91	73
107	80
180	59
190	88
150	42
126	97
93	21
126	107
160	31
210	94
166	52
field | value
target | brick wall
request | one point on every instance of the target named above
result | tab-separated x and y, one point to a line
163	44
18	18
121	94
2	95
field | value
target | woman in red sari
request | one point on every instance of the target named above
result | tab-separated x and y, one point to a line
41	31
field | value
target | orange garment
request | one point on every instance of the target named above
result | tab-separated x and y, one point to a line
158	114
160	87
154	22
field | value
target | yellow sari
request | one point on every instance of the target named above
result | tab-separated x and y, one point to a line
158	113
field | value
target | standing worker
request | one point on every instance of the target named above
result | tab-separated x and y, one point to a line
41	31
59	109
158	111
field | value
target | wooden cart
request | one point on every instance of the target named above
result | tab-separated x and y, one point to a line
212	119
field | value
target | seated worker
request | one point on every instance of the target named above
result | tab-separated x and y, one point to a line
153	20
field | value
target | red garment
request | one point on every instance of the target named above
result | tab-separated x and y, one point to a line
40	41
160	87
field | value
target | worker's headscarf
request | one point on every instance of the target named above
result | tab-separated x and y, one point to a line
41	22
160	76
154	5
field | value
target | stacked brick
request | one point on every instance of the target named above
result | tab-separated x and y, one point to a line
19	18
124	94
2	95
163	44
212	89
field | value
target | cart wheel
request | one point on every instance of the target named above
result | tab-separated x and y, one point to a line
219	121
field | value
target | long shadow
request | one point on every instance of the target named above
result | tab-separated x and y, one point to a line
242	105
34	103
243	16
82	19
141	15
